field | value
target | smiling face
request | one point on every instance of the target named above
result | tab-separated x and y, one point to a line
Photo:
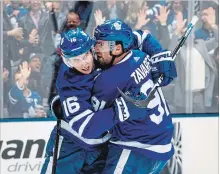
73	20
35	64
102	51
83	63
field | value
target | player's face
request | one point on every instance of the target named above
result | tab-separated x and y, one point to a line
83	63
102	51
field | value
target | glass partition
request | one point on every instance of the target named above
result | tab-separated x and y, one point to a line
31	35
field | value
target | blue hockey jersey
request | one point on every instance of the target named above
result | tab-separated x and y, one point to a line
152	135
80	123
20	105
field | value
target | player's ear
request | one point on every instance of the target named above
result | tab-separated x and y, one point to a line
118	49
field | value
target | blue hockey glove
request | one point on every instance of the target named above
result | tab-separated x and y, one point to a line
126	110
162	63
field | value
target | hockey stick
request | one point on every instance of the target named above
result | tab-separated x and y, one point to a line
144	103
55	154
53	107
56	111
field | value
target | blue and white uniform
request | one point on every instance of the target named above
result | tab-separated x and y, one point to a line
23	106
83	134
150	136
139	146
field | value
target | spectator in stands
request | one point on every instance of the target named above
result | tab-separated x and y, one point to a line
26	4
14	11
202	67
84	9
147	17
60	16
178	8
10	51
23	101
35	83
72	21
48	6
24	8
206	31
38	27
163	33
104	10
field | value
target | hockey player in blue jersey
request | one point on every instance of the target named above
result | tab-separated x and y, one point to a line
83	131
138	146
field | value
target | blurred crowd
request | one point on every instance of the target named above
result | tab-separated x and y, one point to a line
31	36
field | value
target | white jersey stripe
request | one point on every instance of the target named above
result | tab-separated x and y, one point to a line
78	117
122	161
12	100
66	126
49	166
155	148
82	127
139	38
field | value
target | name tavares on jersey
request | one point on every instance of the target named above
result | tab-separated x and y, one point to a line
142	71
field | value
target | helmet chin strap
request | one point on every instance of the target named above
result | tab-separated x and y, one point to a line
114	56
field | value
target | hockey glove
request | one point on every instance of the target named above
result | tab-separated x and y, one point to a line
56	107
162	63
125	110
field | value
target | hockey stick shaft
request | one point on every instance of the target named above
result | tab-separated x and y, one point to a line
55	153
174	54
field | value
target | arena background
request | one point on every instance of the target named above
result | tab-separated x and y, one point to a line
193	103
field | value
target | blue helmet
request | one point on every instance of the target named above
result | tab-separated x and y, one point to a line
115	30
74	43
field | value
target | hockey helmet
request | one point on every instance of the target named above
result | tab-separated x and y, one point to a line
74	43
115	30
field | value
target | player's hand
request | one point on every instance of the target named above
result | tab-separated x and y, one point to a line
126	110
162	63
25	70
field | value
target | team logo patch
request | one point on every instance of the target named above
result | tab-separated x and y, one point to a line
117	26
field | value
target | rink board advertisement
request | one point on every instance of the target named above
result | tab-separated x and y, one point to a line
23	145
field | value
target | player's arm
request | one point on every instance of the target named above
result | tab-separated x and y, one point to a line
145	42
94	124
162	62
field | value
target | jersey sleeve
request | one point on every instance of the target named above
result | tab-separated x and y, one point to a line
147	43
82	119
78	111
105	91
15	94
